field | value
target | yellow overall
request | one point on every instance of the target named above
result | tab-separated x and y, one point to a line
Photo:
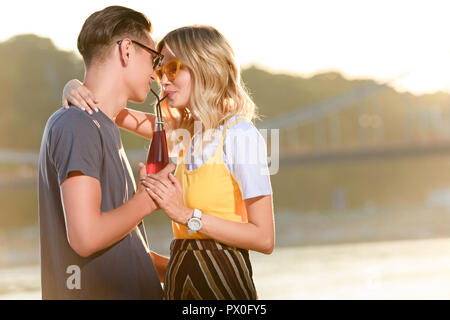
201	268
211	189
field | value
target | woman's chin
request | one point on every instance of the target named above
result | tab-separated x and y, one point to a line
174	104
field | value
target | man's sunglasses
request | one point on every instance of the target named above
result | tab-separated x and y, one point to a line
170	69
158	57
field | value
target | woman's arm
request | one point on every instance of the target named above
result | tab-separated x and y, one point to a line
258	234
134	121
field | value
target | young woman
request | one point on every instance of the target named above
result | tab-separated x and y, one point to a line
220	198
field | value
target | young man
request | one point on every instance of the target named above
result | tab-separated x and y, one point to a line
93	241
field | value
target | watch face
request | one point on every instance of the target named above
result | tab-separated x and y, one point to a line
194	224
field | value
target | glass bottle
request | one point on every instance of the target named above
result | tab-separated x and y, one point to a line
158	156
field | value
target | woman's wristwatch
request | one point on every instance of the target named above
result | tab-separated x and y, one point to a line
195	223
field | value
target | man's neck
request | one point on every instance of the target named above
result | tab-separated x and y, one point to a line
106	88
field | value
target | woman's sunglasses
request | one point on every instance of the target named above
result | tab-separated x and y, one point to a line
171	69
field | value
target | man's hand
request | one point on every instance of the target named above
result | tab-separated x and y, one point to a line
160	263
165	189
141	193
163	174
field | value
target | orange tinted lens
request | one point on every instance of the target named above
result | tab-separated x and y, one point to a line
172	68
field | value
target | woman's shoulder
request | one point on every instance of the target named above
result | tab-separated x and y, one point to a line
243	136
240	123
243	127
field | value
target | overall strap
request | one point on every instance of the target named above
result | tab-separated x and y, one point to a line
228	126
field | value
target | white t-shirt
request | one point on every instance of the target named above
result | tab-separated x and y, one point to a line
244	155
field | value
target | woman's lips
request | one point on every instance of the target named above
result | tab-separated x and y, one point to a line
169	94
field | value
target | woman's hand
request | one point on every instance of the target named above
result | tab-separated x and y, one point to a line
76	93
167	193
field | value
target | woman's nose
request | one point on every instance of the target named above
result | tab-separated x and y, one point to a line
164	80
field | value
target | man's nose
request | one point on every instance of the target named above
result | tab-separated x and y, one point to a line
153	76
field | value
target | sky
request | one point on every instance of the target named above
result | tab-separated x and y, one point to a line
406	42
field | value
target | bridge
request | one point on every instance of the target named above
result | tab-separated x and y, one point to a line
425	130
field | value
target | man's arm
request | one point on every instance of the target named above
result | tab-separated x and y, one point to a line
88	229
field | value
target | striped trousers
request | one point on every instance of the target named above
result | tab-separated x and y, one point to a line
208	270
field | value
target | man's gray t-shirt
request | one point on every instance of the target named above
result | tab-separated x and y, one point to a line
75	141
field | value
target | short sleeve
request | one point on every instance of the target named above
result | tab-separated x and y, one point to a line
245	154
75	145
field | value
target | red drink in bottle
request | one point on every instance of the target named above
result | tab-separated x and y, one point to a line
158	157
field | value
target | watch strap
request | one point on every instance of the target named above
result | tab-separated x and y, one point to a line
197	214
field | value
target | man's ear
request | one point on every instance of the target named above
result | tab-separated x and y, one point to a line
125	48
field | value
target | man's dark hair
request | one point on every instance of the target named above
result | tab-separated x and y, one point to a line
104	27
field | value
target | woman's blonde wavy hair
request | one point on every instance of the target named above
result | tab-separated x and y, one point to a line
217	90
